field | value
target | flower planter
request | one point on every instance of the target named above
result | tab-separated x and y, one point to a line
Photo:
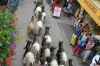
7	34
8	61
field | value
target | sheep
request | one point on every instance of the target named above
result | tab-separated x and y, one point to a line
43	60
70	62
43	14
47	36
61	63
27	45
39	25
37	9
48	39
29	58
61	55
45	50
31	28
53	61
36	48
46	32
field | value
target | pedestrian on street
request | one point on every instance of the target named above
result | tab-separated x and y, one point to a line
96	60
78	30
88	49
65	3
81	43
95	49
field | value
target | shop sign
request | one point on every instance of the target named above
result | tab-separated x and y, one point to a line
57	11
94	10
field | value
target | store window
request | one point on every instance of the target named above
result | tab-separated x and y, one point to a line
96	2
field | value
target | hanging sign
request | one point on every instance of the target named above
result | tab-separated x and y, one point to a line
92	9
57	11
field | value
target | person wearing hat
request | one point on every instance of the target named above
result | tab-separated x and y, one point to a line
81	43
96	60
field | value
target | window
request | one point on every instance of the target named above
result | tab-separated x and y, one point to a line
96	2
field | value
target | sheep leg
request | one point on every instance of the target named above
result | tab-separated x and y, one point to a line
66	63
39	32
37	57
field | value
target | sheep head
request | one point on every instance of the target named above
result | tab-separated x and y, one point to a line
28	44
43	8
39	16
52	50
32	19
60	44
47	28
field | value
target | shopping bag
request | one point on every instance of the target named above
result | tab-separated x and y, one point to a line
57	10
73	39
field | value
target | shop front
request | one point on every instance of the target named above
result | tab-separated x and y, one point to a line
91	9
89	13
88	18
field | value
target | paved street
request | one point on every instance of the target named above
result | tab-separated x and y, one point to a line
61	30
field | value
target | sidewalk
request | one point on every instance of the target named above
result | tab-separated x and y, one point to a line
67	25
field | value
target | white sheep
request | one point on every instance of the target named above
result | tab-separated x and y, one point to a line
48	39
31	28
43	16
47	52
64	58
38	9
54	63
61	54
36	50
39	26
43	13
29	58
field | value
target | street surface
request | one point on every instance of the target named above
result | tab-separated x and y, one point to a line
61	30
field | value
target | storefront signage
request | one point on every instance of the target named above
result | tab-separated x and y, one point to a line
90	6
92	9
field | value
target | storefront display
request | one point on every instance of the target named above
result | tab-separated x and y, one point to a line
90	14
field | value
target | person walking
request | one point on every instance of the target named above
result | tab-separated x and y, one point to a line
88	49
82	40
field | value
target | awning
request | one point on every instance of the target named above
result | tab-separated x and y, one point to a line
92	10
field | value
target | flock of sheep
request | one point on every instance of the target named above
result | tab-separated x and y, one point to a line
43	53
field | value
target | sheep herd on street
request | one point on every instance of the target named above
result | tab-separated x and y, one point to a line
43	53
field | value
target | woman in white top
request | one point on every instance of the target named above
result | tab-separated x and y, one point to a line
96	61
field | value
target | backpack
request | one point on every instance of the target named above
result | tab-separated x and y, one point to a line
82	42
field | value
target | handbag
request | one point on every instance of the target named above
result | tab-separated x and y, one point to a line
73	39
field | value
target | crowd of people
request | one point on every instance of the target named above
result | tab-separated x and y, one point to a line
87	46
